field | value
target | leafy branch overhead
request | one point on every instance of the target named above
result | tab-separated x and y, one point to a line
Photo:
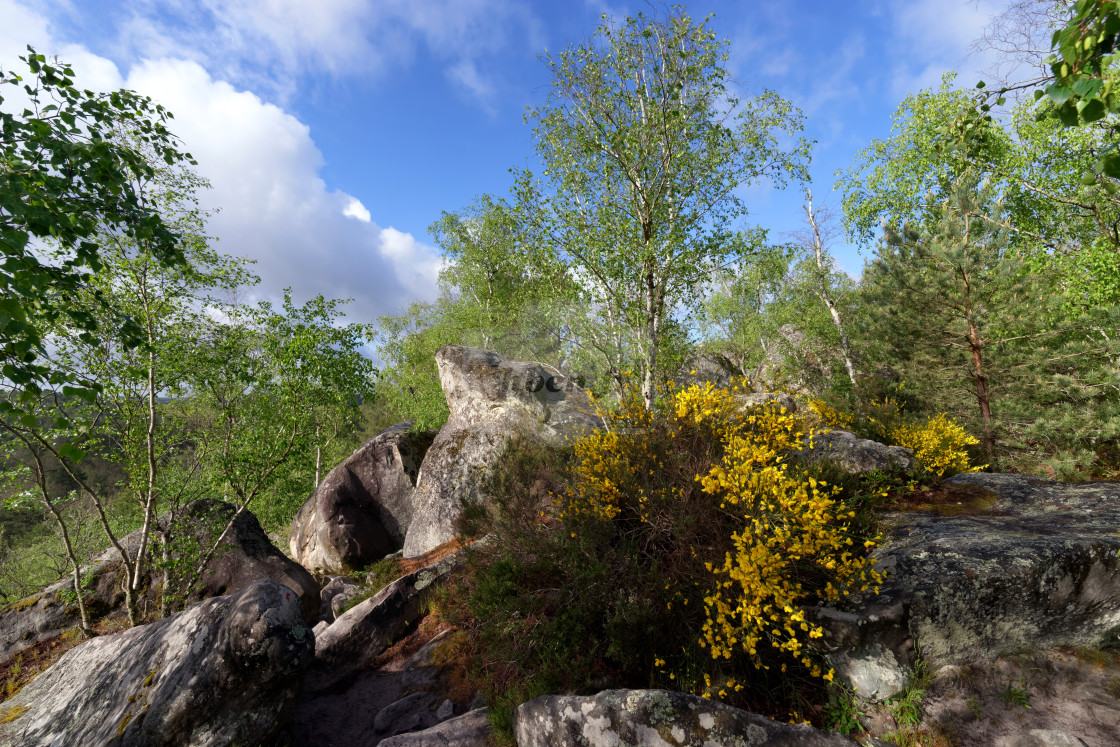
65	175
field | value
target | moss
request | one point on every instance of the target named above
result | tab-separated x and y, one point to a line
8	715
22	604
151	676
124	724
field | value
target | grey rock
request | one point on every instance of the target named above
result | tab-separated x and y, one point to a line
362	509
334	596
490	398
855	455
364	631
247	555
446	710
709	368
1031	565
654	717
223	671
472	729
402	715
1040	738
422	671
795	361
320	627
874	671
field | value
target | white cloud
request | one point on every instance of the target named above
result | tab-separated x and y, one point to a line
275	208
933	37
466	74
355	209
263	167
267	45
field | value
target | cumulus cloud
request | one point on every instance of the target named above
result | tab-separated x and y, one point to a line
264	169
268	45
273	205
355	209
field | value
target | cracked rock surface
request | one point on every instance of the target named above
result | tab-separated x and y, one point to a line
657	718
222	672
1015	563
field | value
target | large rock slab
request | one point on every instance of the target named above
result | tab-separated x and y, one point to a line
472	729
363	632
220	673
709	368
654	717
362	509
247	555
1000	564
490	398
855	455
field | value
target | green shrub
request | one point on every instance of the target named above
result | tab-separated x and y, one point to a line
676	548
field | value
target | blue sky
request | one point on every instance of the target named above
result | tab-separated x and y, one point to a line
335	132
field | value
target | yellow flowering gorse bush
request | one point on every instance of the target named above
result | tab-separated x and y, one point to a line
788	542
939	444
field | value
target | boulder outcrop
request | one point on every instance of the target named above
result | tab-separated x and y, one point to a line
247	555
856	455
361	510
713	368
364	631
219	673
655	717
999	564
491	398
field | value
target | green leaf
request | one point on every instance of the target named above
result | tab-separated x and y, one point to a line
1110	166
69	451
1059	95
1092	110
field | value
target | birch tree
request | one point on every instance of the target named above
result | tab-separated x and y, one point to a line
646	148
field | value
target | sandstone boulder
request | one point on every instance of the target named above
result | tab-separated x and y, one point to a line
362	509
246	556
335	594
220	673
654	717
999	564
705	368
490	398
364	631
472	729
856	455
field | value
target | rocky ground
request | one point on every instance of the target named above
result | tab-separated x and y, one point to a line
994	626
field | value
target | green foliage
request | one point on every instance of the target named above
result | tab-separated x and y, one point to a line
262	385
1017	695
63	178
645	146
942	290
842	711
1081	92
903	178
